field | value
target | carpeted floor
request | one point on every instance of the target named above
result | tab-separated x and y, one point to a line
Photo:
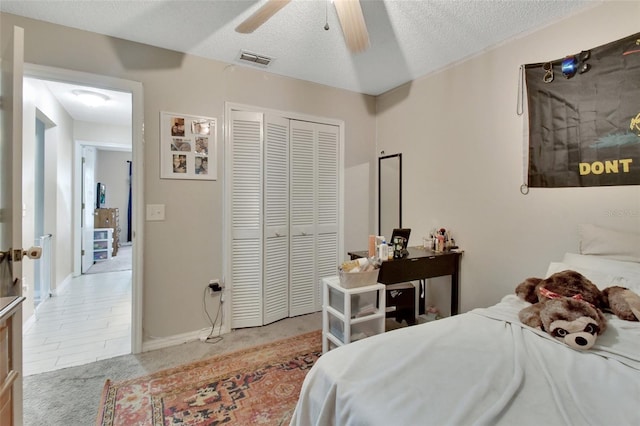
120	262
71	396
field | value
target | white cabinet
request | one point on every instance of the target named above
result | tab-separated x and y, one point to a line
350	314
102	242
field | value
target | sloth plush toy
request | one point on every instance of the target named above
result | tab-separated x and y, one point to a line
569	307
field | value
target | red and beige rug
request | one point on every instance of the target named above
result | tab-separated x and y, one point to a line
255	386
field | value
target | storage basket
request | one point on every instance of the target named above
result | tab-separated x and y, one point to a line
358	279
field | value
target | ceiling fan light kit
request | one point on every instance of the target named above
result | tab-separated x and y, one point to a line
349	13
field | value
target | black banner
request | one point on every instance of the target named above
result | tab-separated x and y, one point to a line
584	117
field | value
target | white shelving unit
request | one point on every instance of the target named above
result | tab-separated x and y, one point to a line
102	244
350	314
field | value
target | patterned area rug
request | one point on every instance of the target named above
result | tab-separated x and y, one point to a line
255	386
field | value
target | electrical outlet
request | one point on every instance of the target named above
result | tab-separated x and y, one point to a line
214	286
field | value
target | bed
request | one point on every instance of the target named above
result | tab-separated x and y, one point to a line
483	367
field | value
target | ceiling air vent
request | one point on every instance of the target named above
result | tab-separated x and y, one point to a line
254	59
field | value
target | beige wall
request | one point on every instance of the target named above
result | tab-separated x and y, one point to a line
458	131
462	148
183	252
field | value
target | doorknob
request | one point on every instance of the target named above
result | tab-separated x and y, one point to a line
18	254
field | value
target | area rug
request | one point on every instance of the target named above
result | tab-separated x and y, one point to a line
255	386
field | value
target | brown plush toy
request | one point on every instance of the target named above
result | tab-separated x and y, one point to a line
622	302
566	305
569	307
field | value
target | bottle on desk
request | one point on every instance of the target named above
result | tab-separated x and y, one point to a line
383	251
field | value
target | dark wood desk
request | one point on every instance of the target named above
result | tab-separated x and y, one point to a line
421	264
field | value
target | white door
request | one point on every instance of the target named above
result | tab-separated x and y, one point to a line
283	215
88	205
245	186
327	202
11	192
276	219
314	212
302	298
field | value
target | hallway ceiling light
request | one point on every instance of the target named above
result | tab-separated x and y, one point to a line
89	98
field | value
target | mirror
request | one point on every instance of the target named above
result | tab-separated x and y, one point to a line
389	194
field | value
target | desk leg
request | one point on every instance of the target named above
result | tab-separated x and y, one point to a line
455	292
422	297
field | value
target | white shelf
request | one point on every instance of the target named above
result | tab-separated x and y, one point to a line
102	244
340	321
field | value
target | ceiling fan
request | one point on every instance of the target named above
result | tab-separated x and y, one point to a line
349	13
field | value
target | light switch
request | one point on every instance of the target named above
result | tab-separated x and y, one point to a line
155	212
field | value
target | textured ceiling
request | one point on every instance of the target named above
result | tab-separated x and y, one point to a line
409	39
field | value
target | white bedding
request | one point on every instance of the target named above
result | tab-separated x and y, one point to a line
483	368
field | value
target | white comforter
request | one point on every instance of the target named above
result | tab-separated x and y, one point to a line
482	368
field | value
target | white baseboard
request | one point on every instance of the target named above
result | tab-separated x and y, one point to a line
63	284
178	339
54	292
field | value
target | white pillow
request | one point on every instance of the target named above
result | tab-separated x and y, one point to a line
601	271
620	245
600	263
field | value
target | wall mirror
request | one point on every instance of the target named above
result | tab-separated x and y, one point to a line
389	194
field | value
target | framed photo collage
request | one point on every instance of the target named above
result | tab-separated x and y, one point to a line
187	147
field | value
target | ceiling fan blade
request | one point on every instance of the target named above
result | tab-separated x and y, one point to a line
353	26
260	16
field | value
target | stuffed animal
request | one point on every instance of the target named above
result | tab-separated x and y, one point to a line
566	305
570	308
622	302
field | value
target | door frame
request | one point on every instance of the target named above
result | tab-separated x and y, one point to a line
137	146
81	154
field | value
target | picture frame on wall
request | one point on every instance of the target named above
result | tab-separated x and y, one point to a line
188	146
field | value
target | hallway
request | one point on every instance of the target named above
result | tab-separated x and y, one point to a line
90	320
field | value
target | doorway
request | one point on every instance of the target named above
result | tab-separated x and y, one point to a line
65	277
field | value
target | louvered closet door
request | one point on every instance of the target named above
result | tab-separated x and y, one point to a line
246	218
327	152
313	212
276	219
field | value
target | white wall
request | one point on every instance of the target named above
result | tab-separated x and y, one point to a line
116	137
462	161
38	101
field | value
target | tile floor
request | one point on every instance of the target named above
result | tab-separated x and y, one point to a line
88	321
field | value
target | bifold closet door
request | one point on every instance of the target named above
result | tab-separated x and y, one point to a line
313	212
246	135
327	201
276	219
283	195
